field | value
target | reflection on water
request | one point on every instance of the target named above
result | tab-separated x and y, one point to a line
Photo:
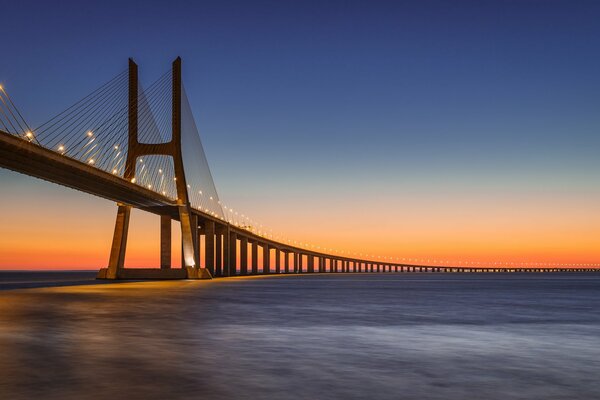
380	336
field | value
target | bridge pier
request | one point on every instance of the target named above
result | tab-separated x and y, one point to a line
119	244
196	233
219	251
277	261
232	254
286	262
266	259
243	255
209	246
165	242
254	257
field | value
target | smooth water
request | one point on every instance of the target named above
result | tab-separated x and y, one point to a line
353	336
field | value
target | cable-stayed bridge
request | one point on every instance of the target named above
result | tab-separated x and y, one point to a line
140	147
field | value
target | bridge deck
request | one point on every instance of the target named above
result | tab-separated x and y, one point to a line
21	156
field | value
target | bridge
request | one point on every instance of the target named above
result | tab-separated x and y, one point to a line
141	149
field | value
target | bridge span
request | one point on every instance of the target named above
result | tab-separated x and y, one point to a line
228	248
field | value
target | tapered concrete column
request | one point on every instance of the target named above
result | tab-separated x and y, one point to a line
286	262
277	261
266	259
226	251
300	263
165	242
254	257
311	264
196	238
243	255
218	251
209	246
396	268
232	265
119	245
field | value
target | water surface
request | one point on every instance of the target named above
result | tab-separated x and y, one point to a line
332	336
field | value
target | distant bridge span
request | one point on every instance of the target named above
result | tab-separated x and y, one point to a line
221	237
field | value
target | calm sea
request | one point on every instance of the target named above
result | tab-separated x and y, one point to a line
355	336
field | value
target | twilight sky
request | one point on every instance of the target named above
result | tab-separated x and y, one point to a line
441	130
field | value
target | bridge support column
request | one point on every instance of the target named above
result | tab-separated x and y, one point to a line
243	255
196	238
209	246
119	244
311	264
255	257
300	263
277	261
165	242
286	262
219	252
266	259
232	259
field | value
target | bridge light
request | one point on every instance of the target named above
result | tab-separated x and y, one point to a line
160	171
149	186
90	133
91	161
114	171
141	160
29	134
61	148
116	147
132	180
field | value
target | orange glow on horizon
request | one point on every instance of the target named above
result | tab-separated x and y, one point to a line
57	228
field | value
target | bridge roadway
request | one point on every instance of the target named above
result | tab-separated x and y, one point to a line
31	159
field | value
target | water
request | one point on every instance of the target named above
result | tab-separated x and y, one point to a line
355	336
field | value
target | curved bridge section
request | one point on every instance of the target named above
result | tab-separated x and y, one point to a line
141	149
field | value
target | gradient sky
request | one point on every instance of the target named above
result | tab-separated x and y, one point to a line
446	130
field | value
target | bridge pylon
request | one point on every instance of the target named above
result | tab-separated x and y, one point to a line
190	267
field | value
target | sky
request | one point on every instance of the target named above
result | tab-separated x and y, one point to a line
463	131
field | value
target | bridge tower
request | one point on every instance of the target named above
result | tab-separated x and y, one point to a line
189	224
